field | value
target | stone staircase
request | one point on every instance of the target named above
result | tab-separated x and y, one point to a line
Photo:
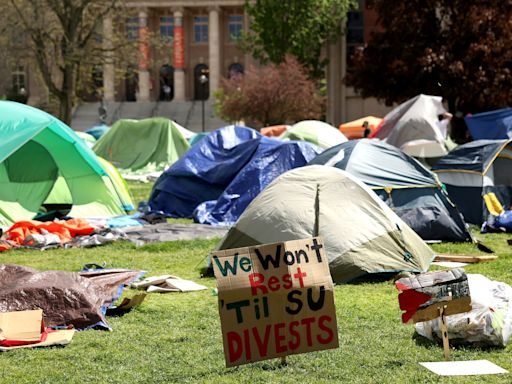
186	113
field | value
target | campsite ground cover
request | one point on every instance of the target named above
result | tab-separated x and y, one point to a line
176	338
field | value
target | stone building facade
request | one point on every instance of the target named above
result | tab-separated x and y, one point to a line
197	49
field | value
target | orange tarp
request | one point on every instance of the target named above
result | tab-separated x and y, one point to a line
65	229
355	129
274	130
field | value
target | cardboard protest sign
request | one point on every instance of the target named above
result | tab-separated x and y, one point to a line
423	295
275	300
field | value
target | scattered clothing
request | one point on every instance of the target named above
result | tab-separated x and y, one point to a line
106	236
500	223
171	231
62	231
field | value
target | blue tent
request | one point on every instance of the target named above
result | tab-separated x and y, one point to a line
227	169
492	125
472	170
97	131
408	188
197	137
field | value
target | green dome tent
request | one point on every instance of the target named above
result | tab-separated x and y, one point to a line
42	161
362	235
155	143
316	132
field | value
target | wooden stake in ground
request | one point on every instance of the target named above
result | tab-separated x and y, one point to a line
444	333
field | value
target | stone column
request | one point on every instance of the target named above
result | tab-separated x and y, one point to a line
248	60
334	82
214	49
144	81
179	56
108	65
343	87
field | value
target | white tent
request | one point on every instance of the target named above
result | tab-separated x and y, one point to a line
415	128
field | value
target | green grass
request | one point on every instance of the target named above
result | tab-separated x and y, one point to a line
176	338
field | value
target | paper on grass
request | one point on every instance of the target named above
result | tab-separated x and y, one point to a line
460	368
176	285
185	285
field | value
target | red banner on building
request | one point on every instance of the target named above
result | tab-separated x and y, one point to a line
179	48
144	48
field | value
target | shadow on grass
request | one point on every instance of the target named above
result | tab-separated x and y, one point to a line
457	344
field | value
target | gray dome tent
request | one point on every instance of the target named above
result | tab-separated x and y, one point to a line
472	170
408	188
362	235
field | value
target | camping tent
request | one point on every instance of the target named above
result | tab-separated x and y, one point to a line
213	164
492	125
153	143
474	169
197	137
274	130
88	139
41	159
97	131
270	159
362	235
412	191
356	129
316	132
415	128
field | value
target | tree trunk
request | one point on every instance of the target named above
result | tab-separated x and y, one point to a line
68	88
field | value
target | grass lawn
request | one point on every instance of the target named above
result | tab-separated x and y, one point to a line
176	338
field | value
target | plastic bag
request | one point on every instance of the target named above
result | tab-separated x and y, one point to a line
489	323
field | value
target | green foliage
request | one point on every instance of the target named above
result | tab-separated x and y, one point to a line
297	27
457	49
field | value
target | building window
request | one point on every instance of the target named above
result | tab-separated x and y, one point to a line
166	29
19	85
355	32
200	29
132	28
235	27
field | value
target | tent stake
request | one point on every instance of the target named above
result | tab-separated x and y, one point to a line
444	333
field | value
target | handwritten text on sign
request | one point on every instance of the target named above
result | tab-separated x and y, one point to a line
275	300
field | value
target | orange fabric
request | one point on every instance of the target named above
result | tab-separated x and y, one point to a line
275	130
355	129
4	246
65	229
374	133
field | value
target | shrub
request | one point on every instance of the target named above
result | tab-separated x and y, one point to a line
274	94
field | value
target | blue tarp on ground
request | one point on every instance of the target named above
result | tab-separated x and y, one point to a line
227	169
492	125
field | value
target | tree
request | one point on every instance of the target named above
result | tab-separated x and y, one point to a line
458	49
300	28
275	94
62	37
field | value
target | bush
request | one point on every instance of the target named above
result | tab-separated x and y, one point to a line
275	94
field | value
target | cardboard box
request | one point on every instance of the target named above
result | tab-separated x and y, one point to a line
27	327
